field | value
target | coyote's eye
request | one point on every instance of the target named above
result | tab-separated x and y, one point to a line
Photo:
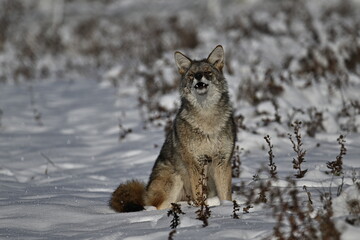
208	75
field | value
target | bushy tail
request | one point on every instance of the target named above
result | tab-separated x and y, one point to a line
128	197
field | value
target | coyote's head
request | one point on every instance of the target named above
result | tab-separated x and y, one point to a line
202	82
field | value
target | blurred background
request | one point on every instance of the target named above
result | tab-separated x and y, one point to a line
88	88
288	59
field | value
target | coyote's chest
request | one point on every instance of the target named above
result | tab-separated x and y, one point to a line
207	137
210	145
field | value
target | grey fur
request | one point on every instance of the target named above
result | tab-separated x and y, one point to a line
202	129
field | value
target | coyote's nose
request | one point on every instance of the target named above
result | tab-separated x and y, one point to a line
198	76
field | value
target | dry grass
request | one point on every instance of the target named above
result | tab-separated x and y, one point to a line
300	152
203	213
336	166
272	165
174	212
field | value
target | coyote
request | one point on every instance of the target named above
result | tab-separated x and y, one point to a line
202	136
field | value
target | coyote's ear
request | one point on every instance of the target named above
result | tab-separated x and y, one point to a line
216	57
183	63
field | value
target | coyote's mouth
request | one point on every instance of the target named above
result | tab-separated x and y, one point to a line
201	88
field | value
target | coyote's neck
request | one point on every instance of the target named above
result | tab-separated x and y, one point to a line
208	121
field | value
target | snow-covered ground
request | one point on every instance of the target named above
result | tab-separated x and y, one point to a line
85	122
57	177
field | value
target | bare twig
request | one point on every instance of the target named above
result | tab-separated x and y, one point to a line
297	147
175	211
236	208
336	166
204	212
272	166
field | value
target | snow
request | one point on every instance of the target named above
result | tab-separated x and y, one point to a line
69	137
67	197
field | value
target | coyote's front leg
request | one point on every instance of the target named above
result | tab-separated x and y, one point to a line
221	173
